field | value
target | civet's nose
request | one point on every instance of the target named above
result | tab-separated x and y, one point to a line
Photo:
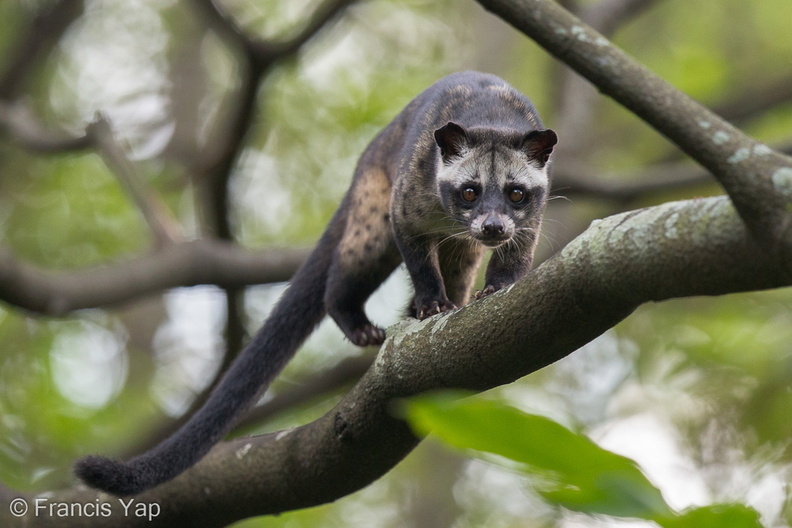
493	226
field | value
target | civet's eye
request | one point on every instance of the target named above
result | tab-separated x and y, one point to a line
516	195
469	194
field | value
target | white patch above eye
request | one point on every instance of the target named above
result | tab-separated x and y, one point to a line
534	177
482	165
457	172
527	173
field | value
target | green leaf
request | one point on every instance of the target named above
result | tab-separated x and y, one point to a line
574	472
715	516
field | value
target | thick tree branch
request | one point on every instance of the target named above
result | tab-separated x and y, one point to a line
696	247
749	171
188	264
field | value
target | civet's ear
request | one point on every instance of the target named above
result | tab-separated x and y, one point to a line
538	144
452	139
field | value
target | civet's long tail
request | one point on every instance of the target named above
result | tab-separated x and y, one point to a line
292	320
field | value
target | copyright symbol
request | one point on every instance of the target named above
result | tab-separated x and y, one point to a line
18	507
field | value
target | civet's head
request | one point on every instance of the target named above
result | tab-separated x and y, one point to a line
493	181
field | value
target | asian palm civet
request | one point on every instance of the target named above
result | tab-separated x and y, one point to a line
463	168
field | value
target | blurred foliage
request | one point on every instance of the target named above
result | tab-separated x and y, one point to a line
67	213
696	391
566	468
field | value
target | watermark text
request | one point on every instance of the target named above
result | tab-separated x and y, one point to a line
47	507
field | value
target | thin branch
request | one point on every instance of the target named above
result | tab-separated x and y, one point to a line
342	375
187	264
748	170
18	121
221	22
36	40
572	178
607	16
269	51
577	179
216	163
163	225
263	52
759	98
320	384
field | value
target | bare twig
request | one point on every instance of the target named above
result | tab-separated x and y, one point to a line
35	42
160	220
